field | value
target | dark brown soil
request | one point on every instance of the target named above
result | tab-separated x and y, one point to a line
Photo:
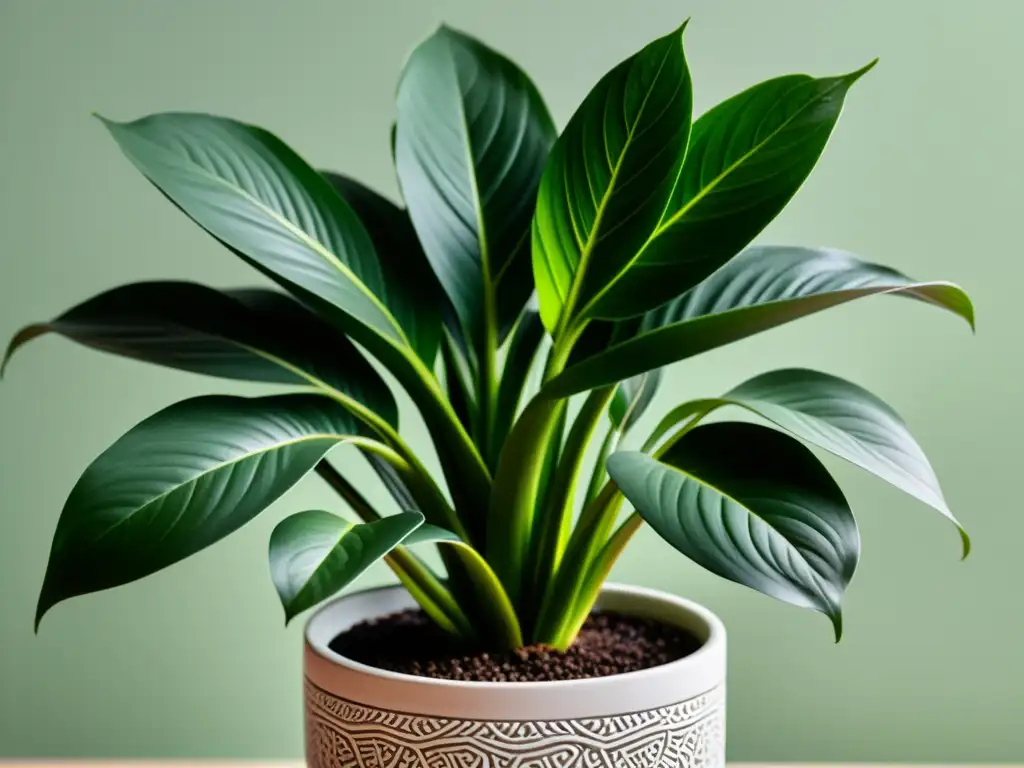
608	644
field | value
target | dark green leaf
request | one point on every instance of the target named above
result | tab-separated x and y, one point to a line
761	288
253	193
752	505
747	158
473	134
413	293
610	175
248	334
840	417
180	481
315	554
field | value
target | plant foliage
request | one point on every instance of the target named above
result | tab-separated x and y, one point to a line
632	230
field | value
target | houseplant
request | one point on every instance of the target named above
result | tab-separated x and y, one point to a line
632	228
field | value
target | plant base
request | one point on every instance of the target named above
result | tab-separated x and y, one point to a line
669	716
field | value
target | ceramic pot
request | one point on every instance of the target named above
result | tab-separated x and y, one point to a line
670	716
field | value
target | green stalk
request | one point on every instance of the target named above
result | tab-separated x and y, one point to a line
417	479
415	576
554	521
499	623
517	487
588	537
597	476
465	471
487	379
523	346
468	476
589	555
517	481
596	576
455	385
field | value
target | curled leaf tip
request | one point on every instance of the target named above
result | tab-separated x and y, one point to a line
19	339
40	612
966	542
859	73
837	624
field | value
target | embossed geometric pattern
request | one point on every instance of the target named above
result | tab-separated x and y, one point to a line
343	734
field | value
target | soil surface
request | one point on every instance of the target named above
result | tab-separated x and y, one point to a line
609	644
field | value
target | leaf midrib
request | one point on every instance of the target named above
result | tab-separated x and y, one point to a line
592	237
337	438
704	192
319	248
346	529
654	332
753	513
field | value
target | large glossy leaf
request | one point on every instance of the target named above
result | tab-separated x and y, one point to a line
747	158
248	334
752	505
414	295
472	137
314	554
762	288
610	175
840	417
180	481
253	193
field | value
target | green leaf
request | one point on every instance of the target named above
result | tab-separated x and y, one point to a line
632	398
609	177
747	158
412	291
473	134
315	554
838	416
753	506
248	334
253	193
762	288
181	480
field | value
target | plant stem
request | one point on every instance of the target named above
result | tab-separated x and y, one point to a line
588	537
554	518
487	381
597	476
467	475
417	479
429	592
589	557
597	573
459	396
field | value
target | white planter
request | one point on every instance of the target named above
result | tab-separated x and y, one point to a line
665	717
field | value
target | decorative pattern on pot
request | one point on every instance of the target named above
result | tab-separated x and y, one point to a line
341	733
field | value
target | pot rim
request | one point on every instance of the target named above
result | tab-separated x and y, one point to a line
713	645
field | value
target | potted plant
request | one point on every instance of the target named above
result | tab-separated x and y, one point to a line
592	258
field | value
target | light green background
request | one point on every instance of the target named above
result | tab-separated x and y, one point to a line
923	173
